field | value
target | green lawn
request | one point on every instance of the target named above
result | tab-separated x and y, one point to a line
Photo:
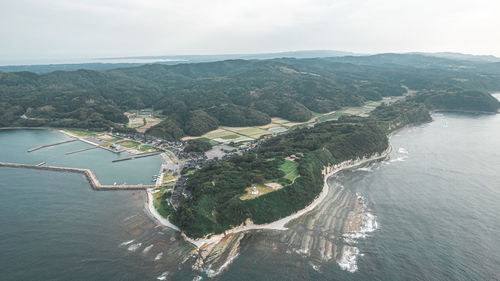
290	170
129	144
288	166
292	175
82	133
146	148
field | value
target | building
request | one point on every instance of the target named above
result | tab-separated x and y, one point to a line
255	191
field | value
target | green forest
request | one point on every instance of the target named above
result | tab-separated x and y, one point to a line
196	98
215	203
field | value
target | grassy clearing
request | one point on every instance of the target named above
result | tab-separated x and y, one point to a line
137	146
168	177
254	132
108	138
261	188
292	175
230	137
333	116
288	166
146	148
82	133
220	133
129	144
290	170
157	202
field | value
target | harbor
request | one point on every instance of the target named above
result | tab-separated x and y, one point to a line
92	179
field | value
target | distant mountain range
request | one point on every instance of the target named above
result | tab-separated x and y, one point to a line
103	64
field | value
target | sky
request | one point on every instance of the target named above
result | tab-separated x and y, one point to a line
33	30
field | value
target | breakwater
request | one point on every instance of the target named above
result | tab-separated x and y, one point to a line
92	179
83	149
137	156
50	144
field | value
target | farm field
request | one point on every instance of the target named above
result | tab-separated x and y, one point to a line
227	135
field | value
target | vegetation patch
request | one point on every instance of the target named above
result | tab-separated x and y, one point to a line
146	148
129	144
82	133
254	132
220	133
197	145
230	137
263	189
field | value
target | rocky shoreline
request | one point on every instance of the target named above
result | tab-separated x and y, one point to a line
281	223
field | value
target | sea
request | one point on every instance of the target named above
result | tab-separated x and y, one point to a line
432	212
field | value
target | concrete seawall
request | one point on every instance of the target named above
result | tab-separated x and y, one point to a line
93	181
50	144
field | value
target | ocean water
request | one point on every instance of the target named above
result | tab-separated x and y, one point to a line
437	207
435	201
15	143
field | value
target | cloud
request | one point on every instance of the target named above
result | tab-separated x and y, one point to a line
96	28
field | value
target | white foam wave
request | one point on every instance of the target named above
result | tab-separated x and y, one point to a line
211	273
146	250
365	169
134	247
369	223
127	218
127	242
197	278
315	267
163	276
159	256
348	261
399	159
402	150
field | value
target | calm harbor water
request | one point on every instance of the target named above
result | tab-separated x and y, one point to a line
436	202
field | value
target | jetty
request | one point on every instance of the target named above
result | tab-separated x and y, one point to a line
137	156
94	182
50	144
41	164
83	149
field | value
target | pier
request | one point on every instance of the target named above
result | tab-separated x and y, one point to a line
83	149
93	181
137	156
50	144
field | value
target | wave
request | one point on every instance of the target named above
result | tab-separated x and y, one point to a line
402	150
146	250
163	276
348	261
127	242
159	256
134	247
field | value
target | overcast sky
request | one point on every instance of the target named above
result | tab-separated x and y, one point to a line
61	29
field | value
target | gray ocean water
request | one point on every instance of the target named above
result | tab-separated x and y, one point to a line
436	202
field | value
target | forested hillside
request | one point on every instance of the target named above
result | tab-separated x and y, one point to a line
216	202
196	98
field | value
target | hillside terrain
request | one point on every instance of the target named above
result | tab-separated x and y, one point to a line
193	99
